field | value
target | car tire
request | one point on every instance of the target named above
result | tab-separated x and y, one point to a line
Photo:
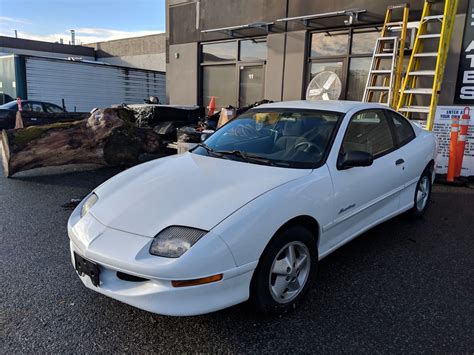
278	287
422	194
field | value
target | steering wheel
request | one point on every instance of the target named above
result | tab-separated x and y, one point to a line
308	146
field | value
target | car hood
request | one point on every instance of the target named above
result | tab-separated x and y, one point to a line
186	189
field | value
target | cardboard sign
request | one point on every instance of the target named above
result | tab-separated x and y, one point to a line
226	116
442	130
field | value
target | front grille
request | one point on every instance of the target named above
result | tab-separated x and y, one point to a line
126	277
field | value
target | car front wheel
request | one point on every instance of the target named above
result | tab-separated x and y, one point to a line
422	194
286	271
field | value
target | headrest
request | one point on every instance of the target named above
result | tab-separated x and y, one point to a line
293	128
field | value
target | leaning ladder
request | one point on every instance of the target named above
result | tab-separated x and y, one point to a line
410	87
395	51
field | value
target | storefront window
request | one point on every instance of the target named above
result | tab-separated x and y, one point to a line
363	41
218	52
329	44
358	71
219	81
330	52
335	67
331	67
236	80
253	50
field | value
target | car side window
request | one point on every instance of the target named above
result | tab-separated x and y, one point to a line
26	106
53	108
403	129
369	131
32	106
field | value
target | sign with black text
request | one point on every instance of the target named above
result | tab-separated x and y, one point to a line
465	81
442	130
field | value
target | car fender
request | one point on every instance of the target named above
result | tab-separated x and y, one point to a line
249	229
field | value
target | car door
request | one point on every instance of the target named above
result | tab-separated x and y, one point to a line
412	156
33	108
363	196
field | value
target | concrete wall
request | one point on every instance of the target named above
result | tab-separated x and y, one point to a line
294	65
146	52
182	74
274	69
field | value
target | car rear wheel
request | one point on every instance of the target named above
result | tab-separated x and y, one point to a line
286	271
422	194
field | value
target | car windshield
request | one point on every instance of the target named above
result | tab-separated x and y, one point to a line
280	137
12	105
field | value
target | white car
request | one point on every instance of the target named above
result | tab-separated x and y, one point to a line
248	213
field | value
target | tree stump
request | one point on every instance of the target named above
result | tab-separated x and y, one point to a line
108	137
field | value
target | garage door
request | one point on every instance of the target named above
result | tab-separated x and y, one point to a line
85	85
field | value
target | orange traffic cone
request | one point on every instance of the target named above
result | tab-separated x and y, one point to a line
212	106
452	148
461	145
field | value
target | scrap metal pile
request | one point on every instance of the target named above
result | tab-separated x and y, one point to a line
207	125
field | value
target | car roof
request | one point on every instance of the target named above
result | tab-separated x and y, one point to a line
324	105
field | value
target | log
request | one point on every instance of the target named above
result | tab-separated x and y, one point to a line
108	137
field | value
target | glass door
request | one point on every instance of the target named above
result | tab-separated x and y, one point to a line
251	81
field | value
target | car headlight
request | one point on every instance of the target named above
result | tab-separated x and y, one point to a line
174	241
88	203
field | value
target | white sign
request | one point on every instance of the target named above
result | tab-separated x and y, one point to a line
442	130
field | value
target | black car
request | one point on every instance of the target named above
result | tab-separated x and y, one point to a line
8	113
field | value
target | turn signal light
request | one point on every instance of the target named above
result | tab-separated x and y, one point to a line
195	282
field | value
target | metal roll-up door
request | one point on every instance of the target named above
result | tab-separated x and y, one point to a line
84	86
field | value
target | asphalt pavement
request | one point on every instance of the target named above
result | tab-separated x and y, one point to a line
405	286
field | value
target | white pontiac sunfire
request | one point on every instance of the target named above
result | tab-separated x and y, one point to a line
248	213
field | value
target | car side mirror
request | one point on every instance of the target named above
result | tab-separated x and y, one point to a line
354	158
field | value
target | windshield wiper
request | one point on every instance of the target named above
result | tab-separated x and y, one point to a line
249	158
237	153
206	147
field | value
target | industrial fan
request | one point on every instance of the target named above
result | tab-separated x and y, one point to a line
325	85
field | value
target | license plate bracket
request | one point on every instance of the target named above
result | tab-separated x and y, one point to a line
89	268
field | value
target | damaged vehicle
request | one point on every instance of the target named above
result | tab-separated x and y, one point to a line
249	213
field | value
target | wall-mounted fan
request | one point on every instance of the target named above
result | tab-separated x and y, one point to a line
324	86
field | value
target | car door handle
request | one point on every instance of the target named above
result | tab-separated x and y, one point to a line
399	161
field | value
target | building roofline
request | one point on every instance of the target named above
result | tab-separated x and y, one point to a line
28	44
126	38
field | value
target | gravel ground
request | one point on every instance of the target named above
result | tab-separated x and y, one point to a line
405	286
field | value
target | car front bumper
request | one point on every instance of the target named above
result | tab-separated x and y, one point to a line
119	252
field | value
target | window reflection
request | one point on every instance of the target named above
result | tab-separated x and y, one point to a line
253	50
358	71
218	52
335	67
363	42
329	44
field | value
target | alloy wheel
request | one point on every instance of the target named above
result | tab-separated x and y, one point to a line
289	272
422	193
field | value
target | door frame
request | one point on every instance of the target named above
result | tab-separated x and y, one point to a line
236	62
239	70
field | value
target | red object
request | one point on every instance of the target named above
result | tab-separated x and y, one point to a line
18	101
212	106
461	144
452	148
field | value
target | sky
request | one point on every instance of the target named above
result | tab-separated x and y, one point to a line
93	20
